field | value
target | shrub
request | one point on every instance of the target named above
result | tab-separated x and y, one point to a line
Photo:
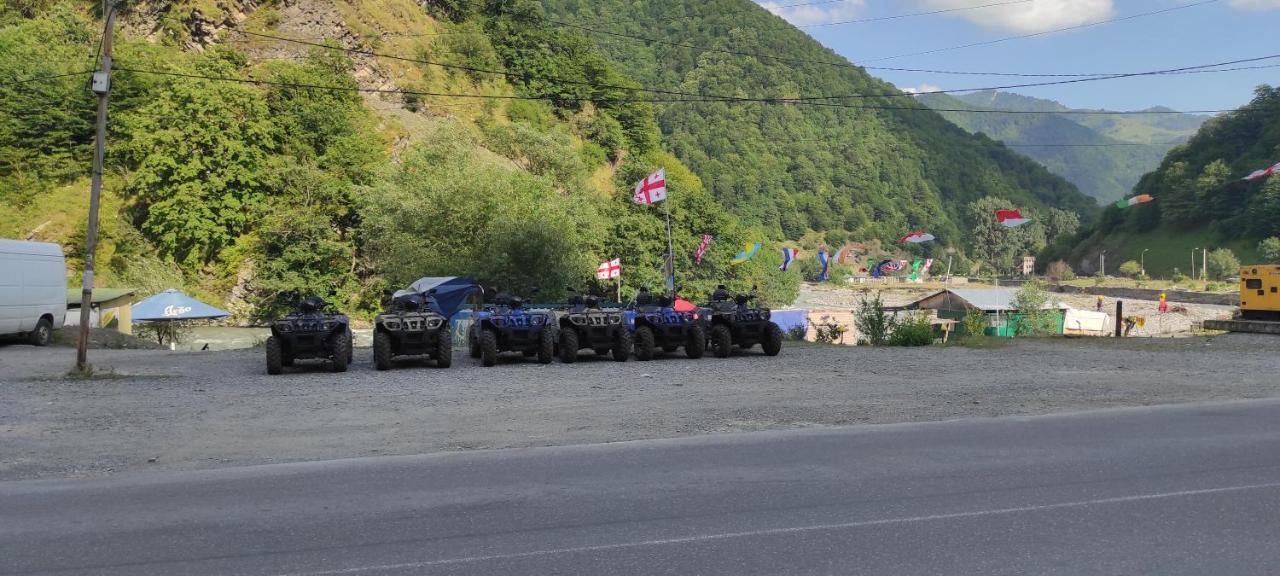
874	324
916	330
796	333
1031	301
1131	269
829	332
1059	270
1222	264
975	324
1270	249
1178	276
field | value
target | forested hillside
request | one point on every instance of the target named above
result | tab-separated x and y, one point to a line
858	167
1103	154
1201	199
258	149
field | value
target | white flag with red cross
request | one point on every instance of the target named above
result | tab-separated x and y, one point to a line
652	189
610	269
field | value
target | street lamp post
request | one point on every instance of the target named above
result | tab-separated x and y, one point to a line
1193	263
1102	263
1143	263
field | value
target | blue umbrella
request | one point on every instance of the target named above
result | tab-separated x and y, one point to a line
451	291
174	305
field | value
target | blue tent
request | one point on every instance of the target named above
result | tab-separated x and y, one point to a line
174	305
451	291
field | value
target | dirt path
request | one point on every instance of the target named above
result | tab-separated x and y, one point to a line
214	409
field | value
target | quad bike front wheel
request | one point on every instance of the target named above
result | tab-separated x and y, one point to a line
772	344
381	350
340	350
546	346
622	345
444	349
275	356
488	348
697	344
644	343
721	341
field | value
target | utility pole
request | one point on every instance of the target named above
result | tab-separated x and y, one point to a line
1204	264
102	87
1143	264
1102	263
1193	263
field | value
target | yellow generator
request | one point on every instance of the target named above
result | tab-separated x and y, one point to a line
1260	292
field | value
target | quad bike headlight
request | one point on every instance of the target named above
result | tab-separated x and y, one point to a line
615	319
537	320
766	314
578	319
498	321
284	327
434	323
393	324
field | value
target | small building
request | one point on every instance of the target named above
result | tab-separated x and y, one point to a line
997	303
109	308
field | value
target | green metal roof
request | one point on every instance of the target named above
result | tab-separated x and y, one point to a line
100	295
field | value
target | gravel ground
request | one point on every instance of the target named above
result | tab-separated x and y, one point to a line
176	410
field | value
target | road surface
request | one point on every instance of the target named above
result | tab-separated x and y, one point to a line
1192	489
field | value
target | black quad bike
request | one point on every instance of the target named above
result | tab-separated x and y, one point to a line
311	332
735	323
659	328
583	324
507	326
412	325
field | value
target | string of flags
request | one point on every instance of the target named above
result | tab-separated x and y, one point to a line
702	248
1136	200
1265	172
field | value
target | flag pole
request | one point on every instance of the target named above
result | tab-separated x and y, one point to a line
671	252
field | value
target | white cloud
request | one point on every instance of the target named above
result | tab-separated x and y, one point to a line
814	14
1256	5
926	87
1038	16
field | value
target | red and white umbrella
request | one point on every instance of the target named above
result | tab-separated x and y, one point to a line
917	237
1011	218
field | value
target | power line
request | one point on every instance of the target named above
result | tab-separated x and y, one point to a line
43	78
695	99
804	98
1090	145
834	63
900	16
1056	30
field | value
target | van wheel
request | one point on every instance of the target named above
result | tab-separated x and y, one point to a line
42	334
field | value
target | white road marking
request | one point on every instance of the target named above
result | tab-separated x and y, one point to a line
793	530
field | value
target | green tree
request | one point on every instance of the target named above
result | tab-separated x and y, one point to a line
1222	264
1131	268
1036	316
1270	249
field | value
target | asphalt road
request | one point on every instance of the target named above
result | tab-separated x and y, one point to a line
1192	489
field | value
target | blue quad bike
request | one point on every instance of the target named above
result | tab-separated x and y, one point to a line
658	328
310	332
507	326
734	322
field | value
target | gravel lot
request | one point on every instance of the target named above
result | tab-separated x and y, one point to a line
167	410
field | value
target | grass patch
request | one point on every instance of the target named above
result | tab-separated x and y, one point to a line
980	342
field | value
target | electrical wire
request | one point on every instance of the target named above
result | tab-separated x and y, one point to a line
899	16
43	78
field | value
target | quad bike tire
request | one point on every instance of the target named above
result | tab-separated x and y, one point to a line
546	346
772	344
340	349
622	345
444	349
275	356
381	350
569	346
721	341
488	348
644	343
696	347
473	344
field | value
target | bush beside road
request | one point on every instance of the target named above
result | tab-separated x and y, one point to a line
166	410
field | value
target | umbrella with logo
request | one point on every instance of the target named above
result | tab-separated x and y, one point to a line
173	306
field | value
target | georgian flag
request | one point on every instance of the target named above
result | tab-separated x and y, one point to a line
609	270
1265	172
788	256
652	189
1011	218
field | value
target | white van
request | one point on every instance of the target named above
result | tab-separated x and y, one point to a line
33	289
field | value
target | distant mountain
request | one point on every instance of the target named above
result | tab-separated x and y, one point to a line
1103	155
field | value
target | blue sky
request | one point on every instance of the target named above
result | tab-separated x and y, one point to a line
1219	31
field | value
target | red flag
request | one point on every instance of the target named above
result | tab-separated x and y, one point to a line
610	269
652	189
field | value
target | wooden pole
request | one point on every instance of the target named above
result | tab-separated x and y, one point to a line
671	252
101	85
1119	318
